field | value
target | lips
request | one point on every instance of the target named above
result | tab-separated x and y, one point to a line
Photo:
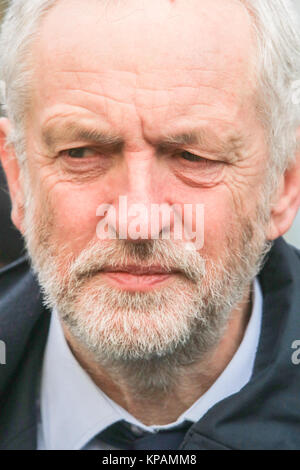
137	278
138	270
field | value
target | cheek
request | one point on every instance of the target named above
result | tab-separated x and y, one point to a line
73	212
218	226
220	221
74	218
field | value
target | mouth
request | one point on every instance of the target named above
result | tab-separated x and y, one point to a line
137	278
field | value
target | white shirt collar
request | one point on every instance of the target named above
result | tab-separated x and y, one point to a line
74	409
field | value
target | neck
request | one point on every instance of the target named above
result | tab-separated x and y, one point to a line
190	382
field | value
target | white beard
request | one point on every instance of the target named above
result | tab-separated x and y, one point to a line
145	336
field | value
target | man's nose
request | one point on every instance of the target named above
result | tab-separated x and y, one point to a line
141	201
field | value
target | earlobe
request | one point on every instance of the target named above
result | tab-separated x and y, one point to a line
12	171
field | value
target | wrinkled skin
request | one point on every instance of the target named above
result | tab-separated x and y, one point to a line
139	72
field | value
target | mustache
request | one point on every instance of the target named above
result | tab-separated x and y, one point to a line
167	254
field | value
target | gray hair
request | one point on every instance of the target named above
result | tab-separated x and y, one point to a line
278	56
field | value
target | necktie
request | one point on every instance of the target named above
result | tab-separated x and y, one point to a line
120	436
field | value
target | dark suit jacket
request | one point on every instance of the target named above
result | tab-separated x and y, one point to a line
265	414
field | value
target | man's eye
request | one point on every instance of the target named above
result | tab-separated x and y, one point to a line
192	158
79	153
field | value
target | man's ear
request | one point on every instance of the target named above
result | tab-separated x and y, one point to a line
12	170
287	202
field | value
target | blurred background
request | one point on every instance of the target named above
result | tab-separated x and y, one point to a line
11	244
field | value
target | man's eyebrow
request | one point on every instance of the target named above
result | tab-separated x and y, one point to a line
66	133
205	139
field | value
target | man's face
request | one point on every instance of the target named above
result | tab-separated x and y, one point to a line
126	94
